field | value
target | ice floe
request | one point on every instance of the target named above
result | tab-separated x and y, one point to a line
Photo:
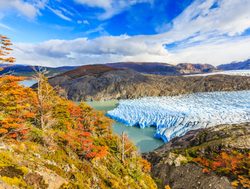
174	116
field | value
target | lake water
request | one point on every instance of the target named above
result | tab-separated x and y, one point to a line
28	83
142	138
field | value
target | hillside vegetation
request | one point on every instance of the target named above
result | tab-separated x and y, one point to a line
47	141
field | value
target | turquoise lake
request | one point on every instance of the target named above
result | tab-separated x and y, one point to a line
142	138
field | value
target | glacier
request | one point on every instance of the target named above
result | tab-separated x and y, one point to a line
226	72
176	115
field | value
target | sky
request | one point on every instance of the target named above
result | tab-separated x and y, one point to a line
77	32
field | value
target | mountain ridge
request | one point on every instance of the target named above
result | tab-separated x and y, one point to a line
243	65
126	84
154	68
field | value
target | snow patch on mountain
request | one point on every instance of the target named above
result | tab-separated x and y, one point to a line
174	116
228	72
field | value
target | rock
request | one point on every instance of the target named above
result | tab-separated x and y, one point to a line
170	167
3	146
4	185
53	180
35	180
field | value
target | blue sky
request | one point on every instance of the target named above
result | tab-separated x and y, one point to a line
77	32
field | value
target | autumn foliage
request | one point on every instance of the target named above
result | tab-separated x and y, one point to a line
16	107
71	139
68	133
22	108
82	131
5	50
233	163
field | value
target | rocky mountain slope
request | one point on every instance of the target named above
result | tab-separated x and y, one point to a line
244	65
25	70
216	157
142	67
100	82
186	68
164	68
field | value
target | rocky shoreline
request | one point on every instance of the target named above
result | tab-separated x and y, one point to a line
195	161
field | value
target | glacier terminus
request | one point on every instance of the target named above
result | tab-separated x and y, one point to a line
175	115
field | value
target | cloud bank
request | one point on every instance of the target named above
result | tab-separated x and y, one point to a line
212	31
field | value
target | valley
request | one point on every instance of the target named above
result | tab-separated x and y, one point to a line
124	94
215	108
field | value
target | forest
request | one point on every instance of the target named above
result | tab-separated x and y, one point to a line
47	141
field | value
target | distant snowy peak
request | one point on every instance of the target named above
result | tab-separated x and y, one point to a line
244	65
174	116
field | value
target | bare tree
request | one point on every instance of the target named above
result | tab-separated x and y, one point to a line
46	96
125	146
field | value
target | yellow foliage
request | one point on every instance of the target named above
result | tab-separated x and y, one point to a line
244	181
14	182
167	187
235	183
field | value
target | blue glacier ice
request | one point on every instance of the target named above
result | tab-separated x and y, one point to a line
174	116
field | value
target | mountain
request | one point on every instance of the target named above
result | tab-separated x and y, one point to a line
244	65
164	68
216	157
147	68
101	82
186	68
142	67
25	70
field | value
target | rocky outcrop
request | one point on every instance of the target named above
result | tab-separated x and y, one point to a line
148	68
164	68
176	163
100	82
195	68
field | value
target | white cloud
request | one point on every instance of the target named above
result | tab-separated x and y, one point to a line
4	26
215	52
99	29
231	18
29	9
97	3
59	13
84	51
85	22
111	7
203	33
